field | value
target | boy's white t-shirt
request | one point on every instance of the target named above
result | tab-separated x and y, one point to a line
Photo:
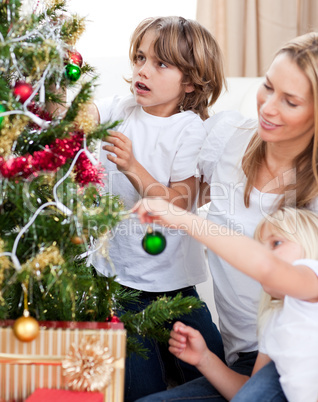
168	149
290	339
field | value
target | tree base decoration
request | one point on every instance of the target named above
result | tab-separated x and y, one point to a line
79	356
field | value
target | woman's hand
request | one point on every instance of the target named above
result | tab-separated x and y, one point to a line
121	146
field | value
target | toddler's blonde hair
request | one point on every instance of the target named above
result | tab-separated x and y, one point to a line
296	225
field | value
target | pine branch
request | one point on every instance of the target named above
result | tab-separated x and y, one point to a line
150	322
83	96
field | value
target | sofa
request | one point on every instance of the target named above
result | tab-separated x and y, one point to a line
240	95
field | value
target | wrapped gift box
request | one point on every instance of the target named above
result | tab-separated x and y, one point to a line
25	367
58	395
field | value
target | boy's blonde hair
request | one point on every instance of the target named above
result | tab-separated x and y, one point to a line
297	225
192	49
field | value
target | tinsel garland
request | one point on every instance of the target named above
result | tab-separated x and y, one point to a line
53	157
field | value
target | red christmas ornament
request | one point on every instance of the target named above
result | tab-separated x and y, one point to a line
22	91
113	319
75	58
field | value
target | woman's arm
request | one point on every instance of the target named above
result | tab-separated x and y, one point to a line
242	252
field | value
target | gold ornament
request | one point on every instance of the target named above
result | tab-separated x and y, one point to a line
77	239
26	328
88	366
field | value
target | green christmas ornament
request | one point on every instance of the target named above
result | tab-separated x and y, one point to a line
2	109
72	72
154	242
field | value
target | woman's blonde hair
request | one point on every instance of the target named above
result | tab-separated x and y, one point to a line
303	51
192	49
297	225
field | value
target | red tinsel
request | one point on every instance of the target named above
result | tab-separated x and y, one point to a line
51	158
43	114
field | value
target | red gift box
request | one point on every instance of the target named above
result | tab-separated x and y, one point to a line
54	395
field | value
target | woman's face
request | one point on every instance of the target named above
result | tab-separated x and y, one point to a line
285	105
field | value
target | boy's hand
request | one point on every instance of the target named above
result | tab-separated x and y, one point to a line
121	146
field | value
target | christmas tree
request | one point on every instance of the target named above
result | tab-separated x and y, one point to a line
51	184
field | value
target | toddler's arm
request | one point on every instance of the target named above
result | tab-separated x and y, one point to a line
245	254
187	344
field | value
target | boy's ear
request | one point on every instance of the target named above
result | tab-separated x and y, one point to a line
189	88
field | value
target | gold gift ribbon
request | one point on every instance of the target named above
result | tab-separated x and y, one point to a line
11	358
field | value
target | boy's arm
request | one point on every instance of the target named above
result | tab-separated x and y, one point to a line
204	194
181	193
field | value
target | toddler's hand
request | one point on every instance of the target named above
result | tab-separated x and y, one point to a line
157	210
187	344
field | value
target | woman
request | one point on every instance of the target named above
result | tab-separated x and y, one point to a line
250	174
